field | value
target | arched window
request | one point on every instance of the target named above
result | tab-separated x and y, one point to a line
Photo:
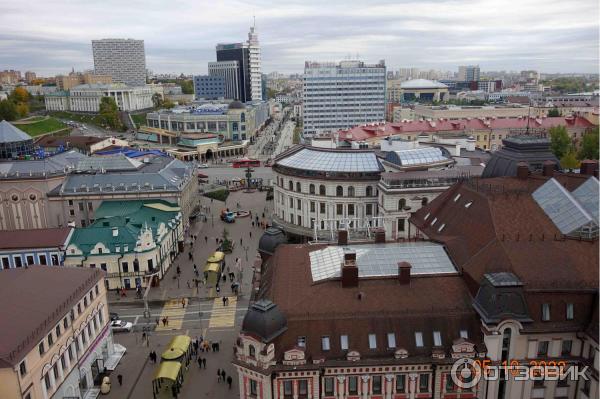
339	191
311	189
401	204
351	191
252	351
424	201
291	186
298	187
369	191
242	117
322	190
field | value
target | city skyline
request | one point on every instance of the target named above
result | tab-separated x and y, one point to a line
534	34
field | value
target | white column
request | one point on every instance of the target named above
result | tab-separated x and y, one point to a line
364	386
389	386
341	387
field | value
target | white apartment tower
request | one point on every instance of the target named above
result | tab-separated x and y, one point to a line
255	65
123	59
340	96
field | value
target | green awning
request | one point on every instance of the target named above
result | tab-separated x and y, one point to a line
168	370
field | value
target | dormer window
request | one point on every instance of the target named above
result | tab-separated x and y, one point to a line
464	334
325	346
419	339
251	351
302	342
437	338
546	312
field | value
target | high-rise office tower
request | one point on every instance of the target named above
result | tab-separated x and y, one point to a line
230	72
247	55
469	73
339	96
122	59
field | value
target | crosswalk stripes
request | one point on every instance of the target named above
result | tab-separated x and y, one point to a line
223	316
175	313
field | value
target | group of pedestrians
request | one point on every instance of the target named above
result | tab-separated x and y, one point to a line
223	377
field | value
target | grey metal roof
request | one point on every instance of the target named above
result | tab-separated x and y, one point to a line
332	161
503	279
587	196
54	165
565	211
112	162
10	134
376	260
160	174
417	156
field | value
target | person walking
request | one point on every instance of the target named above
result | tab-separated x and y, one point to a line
206	239
183	302
229	381
199	362
164	320
218	375
224	300
241	242
250	234
204	363
120	379
223	375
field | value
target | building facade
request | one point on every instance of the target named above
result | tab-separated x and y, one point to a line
87	98
234	121
122	59
21	248
67	82
254	66
339	96
209	87
423	91
469	73
134	242
317	190
64	348
229	71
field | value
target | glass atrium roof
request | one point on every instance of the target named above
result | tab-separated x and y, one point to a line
587	195
417	156
377	260
332	161
564	208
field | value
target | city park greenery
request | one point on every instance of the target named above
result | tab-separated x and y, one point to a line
564	148
15	106
109	113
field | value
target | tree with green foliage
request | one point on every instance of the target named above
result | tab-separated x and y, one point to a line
569	160
8	110
20	95
589	145
157	100
271	93
109	112
168	104
559	141
554	112
187	87
22	110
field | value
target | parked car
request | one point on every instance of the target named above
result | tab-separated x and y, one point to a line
121	326
114	316
203	166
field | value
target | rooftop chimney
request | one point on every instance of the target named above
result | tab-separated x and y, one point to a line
343	237
588	167
522	170
548	168
404	273
379	235
349	269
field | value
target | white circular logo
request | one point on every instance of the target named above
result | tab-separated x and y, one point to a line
465	373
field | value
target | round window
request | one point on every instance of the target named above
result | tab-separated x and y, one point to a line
32	197
15	197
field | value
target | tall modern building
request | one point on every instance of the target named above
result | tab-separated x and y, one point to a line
247	55
229	71
123	59
469	73
340	96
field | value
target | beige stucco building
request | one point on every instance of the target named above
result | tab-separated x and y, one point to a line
62	349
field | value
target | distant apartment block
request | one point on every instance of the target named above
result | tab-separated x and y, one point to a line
123	59
30	77
67	82
10	76
469	73
343	95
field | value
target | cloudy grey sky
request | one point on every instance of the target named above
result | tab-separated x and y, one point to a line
180	35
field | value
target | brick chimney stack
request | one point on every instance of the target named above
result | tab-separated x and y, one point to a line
589	167
343	237
404	273
548	168
349	269
522	170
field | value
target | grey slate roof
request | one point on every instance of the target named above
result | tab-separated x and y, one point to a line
54	165
10	134
530	149
112	162
160	174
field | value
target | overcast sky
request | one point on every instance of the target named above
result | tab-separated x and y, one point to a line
50	37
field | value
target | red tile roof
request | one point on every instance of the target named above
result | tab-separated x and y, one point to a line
460	125
35	238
